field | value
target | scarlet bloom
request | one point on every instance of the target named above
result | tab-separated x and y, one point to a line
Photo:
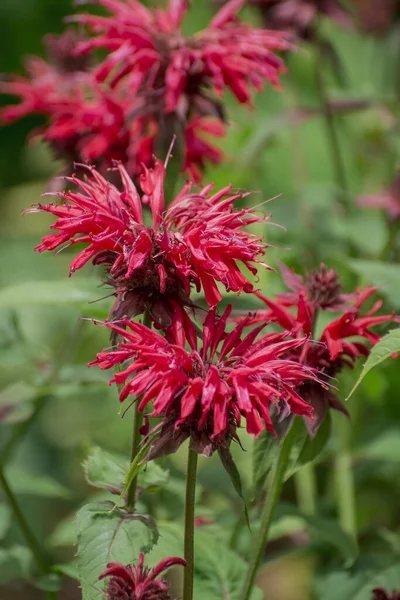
88	121
202	393
139	582
150	49
342	342
200	239
381	594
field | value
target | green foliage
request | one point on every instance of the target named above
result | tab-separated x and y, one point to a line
106	535
25	482
5	519
219	572
388	346
15	563
108	471
358	584
307	449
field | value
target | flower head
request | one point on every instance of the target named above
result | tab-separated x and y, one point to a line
139	582
381	594
199	239
342	342
160	61
388	199
204	392
299	16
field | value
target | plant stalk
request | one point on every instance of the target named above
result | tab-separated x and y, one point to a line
189	525
344	484
136	436
331	131
26	530
306	489
275	483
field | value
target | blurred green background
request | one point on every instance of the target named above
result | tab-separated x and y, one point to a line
280	148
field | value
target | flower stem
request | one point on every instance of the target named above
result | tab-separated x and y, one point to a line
331	131
275	481
189	525
306	489
26	530
136	436
344	484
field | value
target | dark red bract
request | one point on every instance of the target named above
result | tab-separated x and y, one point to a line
203	392
139	582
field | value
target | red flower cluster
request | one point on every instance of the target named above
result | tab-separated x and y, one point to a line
139	583
91	122
153	83
338	345
150	49
199	239
202	393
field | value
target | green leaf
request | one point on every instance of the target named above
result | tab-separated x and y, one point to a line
308	449
23	481
5	519
219	572
389	344
358	585
264	452
385	447
16	402
69	569
15	563
328	531
386	276
136	466
71	292
49	583
106	535
108	470
230	467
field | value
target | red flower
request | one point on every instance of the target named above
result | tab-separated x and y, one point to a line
203	392
139	583
338	346
150	48
388	199
199	239
381	594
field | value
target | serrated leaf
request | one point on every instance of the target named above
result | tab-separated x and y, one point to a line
388	345
23	481
108	471
106	535
219	572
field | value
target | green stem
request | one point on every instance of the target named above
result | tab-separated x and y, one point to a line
189	525
306	489
136	436
344	484
26	530
275	481
331	132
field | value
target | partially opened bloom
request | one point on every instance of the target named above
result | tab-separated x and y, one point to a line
149	47
382	594
342	342
204	392
299	16
199	239
139	582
